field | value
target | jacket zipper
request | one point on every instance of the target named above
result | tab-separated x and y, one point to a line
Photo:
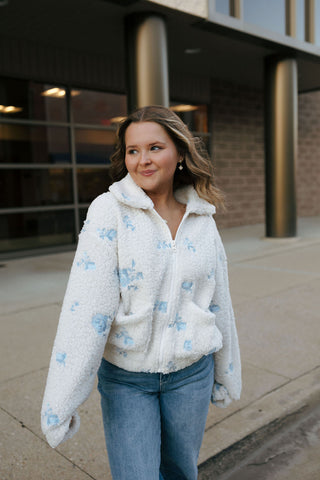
173	287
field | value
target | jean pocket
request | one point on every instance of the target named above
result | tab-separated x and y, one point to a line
132	332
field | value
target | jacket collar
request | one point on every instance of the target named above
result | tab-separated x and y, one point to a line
129	193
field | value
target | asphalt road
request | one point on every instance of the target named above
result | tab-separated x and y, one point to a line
290	450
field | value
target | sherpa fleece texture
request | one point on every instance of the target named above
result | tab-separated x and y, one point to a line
142	300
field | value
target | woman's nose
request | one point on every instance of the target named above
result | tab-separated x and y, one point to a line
145	158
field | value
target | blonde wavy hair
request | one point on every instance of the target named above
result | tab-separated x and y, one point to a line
198	168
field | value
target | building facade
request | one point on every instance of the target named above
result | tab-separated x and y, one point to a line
244	75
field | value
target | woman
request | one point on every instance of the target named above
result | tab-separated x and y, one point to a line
148	301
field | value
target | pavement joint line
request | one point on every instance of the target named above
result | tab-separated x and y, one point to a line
28	309
270	253
270	294
7	380
267	370
275	389
248	405
278	269
56	451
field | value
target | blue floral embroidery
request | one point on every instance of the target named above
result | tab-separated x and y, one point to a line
52	419
171	366
127	340
160	306
230	369
86	262
178	323
101	323
189	244
211	274
163	245
74	305
109	234
128	223
61	357
84	227
213	350
125	196
213	308
187	345
121	352
187	286
128	277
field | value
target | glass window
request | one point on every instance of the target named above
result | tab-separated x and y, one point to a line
22	231
82	216
99	108
26	144
35	187
222	6
195	116
94	146
269	14
92	182
317	21
31	100
300	20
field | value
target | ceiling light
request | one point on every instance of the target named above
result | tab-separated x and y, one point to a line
183	108
9	109
192	51
117	119
54	92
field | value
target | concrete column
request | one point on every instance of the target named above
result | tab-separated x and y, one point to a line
281	132
291	18
147	61
309	20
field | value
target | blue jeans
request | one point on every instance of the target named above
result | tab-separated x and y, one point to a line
153	422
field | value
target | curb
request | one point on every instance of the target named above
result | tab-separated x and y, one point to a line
253	425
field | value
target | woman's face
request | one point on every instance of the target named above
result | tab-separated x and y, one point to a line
151	157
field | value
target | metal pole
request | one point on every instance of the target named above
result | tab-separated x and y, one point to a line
147	61
281	132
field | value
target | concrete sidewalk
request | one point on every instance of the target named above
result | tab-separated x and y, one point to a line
275	286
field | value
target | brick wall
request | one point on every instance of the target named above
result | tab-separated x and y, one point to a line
238	152
308	168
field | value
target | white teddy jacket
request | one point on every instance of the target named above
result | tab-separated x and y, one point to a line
142	300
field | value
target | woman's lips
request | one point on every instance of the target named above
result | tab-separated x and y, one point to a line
147	173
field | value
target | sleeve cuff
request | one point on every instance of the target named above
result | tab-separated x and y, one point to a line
220	396
63	432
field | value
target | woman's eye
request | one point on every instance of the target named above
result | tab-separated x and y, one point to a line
155	147
132	151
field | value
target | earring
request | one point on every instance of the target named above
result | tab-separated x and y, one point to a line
180	165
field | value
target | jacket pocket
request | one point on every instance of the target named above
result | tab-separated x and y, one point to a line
196	332
132	332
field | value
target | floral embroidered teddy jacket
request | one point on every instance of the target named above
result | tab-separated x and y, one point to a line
143	300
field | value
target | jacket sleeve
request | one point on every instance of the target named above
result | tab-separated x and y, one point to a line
88	309
227	366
